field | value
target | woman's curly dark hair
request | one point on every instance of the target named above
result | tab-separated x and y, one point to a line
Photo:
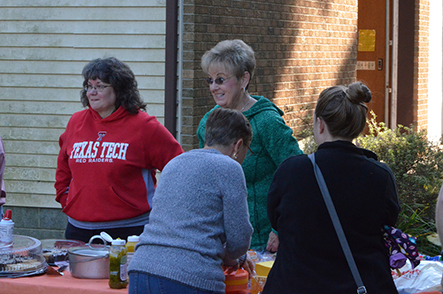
114	72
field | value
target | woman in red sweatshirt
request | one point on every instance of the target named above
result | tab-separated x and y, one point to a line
109	155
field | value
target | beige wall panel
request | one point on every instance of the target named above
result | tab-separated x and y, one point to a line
35	80
66	95
157	110
85	41
57	93
32	200
12	121
50	108
40	67
96	13
68	3
142	69
99	27
83	55
154	83
152	96
74	68
63	94
34	187
32	174
28	160
44	46
38	134
32	147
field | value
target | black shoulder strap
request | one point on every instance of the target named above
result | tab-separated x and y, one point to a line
337	225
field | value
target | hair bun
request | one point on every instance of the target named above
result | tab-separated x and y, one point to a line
358	92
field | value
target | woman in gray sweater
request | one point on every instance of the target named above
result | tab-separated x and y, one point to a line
200	218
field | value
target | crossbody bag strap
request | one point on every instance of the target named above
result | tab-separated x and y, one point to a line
337	225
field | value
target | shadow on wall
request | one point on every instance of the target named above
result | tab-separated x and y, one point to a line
302	47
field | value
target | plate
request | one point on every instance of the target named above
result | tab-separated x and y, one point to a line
55	250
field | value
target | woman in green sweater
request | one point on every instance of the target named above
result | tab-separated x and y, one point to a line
230	66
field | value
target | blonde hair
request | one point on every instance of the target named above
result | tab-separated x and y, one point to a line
235	55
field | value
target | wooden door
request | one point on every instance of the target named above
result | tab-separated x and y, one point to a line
371	54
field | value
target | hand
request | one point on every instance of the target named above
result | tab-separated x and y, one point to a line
227	269
273	242
249	267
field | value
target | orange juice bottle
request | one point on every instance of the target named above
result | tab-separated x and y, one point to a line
130	246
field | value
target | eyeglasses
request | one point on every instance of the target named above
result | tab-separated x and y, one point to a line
249	153
98	88
218	81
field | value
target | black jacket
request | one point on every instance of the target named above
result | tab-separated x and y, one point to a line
310	258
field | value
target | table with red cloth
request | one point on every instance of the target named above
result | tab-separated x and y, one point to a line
55	284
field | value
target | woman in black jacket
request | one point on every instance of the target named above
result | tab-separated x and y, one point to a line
310	258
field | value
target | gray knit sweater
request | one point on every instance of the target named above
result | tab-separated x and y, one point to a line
198	221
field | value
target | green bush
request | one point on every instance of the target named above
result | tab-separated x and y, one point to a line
417	165
306	135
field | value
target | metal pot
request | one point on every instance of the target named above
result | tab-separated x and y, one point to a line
87	262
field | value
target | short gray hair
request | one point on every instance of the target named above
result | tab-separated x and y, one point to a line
235	55
226	126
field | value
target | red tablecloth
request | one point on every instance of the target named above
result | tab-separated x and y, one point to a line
52	284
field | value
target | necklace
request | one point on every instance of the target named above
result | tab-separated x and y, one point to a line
249	100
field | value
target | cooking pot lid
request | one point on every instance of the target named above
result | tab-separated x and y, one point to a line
89	251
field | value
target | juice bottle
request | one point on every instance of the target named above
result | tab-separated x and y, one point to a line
130	246
253	256
118	271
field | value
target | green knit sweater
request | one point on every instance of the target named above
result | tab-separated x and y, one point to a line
272	143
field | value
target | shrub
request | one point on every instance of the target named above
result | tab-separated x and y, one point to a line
417	165
306	137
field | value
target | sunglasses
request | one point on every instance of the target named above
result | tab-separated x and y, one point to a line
218	81
249	148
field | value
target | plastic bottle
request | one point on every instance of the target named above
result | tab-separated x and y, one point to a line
130	246
253	256
118	271
6	230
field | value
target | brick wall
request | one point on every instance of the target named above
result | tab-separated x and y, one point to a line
301	48
421	62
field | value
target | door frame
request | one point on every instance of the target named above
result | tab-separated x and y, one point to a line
394	63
